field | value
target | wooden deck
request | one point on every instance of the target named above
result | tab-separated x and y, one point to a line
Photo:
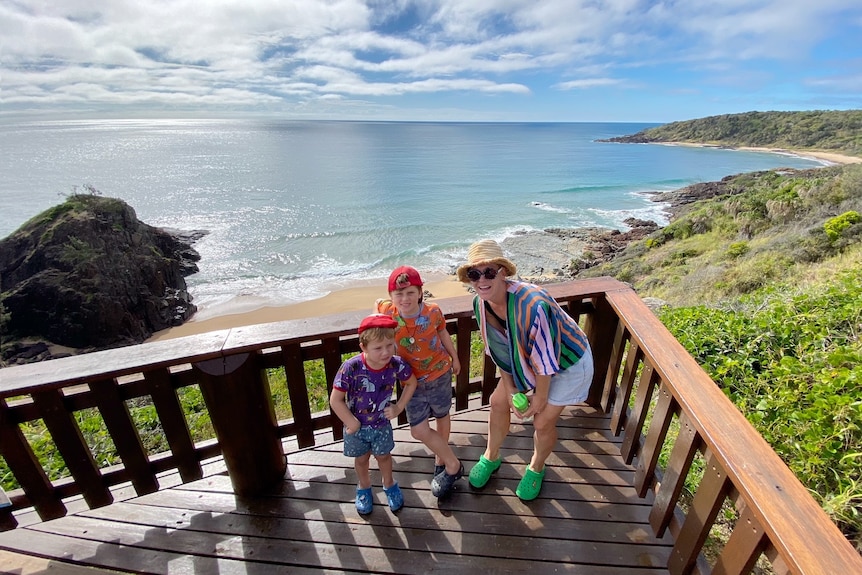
587	520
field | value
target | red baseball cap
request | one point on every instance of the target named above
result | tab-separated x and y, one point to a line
377	320
413	278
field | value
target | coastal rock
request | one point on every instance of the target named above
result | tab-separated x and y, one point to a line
558	254
88	275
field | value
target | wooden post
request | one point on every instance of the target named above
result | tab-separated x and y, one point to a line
240	405
600	327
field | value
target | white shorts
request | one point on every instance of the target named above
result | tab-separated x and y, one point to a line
572	386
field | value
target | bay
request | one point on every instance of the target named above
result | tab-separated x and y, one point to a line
295	210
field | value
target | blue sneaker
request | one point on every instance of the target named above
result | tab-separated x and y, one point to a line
363	501
394	497
438	469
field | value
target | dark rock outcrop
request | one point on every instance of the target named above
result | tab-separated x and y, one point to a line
88	275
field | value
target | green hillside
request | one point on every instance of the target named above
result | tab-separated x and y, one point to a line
832	131
763	285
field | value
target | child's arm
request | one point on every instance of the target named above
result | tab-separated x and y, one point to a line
338	403
446	340
408	387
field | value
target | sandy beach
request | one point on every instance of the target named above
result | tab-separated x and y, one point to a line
830	157
349	299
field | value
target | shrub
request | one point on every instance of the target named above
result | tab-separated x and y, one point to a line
834	227
737	249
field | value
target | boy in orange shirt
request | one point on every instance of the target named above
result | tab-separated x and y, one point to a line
425	344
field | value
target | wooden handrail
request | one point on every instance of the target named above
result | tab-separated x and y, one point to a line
644	378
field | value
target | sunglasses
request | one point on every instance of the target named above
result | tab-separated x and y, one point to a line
473	274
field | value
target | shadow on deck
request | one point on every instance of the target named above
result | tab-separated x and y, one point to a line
588	518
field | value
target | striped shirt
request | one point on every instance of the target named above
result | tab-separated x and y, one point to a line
542	338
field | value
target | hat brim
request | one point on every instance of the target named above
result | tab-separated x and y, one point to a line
462	270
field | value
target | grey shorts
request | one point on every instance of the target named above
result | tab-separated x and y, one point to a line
572	386
377	441
432	398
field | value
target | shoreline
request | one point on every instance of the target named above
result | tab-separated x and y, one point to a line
831	158
355	298
538	256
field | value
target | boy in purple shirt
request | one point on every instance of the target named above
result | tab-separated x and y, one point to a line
362	398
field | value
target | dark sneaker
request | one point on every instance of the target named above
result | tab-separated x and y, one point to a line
438	469
363	501
394	497
443	482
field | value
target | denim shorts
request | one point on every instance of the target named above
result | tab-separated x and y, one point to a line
377	441
572	386
432	398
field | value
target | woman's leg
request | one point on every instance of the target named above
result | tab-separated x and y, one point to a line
544	435
498	422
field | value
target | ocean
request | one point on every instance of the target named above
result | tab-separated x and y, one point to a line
295	210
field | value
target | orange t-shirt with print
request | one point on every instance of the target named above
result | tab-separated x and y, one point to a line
418	341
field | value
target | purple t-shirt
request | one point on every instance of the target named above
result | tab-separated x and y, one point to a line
369	390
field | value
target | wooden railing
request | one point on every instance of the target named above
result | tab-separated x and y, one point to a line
660	400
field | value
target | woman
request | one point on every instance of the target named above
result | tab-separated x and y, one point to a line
538	349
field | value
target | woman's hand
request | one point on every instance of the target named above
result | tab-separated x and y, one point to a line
537	404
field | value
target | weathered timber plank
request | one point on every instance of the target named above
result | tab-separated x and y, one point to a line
19	564
496	497
535	542
112	555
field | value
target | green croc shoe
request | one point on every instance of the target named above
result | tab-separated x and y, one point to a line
482	471
530	485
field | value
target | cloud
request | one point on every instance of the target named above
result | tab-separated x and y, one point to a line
276	54
588	83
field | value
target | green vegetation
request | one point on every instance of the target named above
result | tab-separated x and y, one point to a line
763	289
836	131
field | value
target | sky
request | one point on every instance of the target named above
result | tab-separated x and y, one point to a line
428	60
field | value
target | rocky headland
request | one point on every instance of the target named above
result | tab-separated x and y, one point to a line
88	275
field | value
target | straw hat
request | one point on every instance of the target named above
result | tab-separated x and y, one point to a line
485	252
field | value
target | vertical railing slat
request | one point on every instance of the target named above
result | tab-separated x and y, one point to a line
618	349
634	425
331	364
72	447
297	390
684	450
648	461
627	382
174	424
744	547
123	432
19	456
462	380
705	506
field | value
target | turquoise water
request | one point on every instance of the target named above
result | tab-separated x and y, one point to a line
298	209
